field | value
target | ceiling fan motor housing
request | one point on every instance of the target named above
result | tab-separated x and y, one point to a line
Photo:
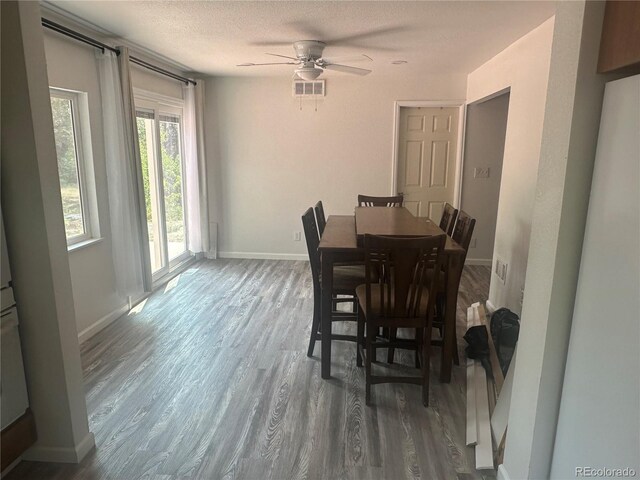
309	49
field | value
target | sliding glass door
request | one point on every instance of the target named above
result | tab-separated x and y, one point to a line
160	137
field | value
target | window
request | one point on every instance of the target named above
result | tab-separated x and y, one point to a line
73	149
160	136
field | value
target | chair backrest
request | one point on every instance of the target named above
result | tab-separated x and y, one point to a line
463	231
320	218
398	266
313	241
367	201
448	219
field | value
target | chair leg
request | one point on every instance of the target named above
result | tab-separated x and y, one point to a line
426	362
360	342
440	313
393	335
315	324
456	358
419	336
368	360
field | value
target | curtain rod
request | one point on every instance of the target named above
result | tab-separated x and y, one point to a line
77	36
161	71
102	46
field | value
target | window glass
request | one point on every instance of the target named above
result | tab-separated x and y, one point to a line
172	183
68	167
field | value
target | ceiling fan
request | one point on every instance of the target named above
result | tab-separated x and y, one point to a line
311	62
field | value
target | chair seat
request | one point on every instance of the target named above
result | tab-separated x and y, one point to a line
361	293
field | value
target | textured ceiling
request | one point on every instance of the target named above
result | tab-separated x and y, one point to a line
212	37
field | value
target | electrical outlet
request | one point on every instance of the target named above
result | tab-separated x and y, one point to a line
481	172
501	270
521	296
297	236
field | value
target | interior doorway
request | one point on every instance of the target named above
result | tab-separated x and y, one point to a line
426	167
485	131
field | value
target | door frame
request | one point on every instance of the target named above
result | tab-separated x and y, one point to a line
462	110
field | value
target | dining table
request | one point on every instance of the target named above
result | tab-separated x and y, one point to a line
342	241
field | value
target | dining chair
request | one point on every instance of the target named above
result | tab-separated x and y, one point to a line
367	201
345	281
396	294
448	219
321	219
462	233
463	230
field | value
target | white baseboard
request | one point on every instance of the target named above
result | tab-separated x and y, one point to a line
102	323
11	466
485	262
264	256
502	473
61	454
490	307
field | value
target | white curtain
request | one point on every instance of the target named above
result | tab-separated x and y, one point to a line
195	166
129	237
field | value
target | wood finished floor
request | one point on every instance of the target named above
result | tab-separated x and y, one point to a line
209	380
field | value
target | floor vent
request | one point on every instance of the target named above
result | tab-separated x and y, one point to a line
302	88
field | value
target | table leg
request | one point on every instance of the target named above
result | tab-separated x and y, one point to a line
449	341
325	312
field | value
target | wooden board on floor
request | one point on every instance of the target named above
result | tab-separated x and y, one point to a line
501	413
471	426
498	378
484	447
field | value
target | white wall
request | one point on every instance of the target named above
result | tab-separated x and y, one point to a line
484	148
567	153
523	67
72	65
599	420
269	161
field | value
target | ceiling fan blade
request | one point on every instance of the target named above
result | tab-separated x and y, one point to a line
269	43
350	58
346	69
283	56
344	40
260	64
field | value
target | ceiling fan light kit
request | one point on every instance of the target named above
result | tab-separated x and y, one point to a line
308	73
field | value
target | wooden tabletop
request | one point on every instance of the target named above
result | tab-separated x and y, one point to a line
397	221
343	232
339	234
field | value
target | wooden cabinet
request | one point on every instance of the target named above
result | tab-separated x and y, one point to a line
620	42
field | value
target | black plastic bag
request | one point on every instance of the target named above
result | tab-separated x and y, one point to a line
505	328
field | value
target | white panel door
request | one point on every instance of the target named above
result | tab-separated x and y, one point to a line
427	150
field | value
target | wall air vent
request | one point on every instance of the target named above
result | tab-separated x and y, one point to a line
302	88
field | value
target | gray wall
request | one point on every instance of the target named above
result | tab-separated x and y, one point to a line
484	148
